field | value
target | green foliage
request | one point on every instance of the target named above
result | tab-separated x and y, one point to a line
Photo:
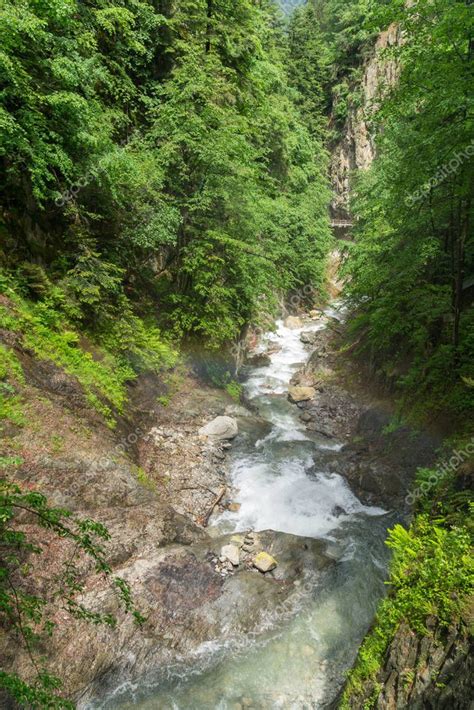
128	347
234	389
432	570
27	611
432	573
172	164
11	372
159	182
413	253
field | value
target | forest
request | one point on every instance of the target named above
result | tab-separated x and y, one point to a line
167	188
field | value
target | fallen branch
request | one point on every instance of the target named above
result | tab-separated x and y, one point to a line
205	518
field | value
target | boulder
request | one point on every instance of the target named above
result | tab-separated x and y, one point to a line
301	394
231	553
308	337
221	428
259	360
264	562
293	322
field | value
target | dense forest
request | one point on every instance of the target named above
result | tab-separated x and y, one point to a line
155	161
165	185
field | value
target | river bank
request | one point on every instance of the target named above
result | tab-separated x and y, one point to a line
216	629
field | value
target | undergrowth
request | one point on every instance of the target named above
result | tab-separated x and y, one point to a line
103	364
431	574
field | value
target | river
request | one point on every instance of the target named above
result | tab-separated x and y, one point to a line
300	661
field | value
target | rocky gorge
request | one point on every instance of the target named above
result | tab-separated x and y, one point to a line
242	529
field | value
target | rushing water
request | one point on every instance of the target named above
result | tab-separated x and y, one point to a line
299	663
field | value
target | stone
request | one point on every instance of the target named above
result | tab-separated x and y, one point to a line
315	314
293	322
236	410
264	562
237	540
221	428
308	337
301	394
234	507
231	553
259	360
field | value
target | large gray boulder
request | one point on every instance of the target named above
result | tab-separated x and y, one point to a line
220	429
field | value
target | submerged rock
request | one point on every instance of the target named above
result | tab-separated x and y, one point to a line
221	428
259	360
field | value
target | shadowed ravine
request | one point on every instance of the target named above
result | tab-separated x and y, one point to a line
300	659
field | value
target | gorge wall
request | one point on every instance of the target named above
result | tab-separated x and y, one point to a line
355	147
431	670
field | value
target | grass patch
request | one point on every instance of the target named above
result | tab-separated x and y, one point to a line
11	372
234	389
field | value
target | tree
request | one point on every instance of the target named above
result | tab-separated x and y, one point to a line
413	257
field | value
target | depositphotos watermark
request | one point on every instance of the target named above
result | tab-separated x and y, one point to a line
441	470
444	172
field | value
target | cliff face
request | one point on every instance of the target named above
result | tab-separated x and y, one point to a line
355	149
434	672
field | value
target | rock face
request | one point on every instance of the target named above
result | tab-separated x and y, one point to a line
190	598
382	462
301	394
221	429
433	672
356	149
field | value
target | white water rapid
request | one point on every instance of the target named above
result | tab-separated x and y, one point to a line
300	662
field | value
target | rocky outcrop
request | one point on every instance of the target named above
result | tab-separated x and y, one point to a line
382	459
190	599
355	150
433	672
